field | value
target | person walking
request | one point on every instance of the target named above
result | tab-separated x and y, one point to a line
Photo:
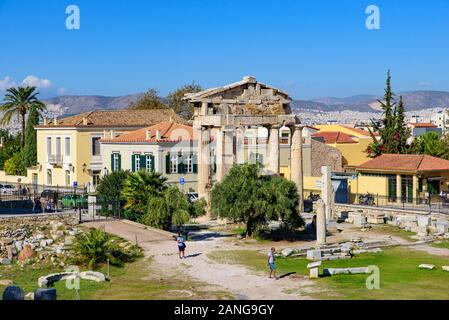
271	264
181	246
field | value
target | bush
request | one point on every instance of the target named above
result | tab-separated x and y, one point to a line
109	192
14	166
96	246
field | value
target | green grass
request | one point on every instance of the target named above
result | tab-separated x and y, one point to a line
135	281
388	230
400	277
443	244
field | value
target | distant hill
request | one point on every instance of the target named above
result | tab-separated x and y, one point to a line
77	104
414	100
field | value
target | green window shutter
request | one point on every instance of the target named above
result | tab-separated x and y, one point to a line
119	162
112	163
195	163
152	163
167	163
133	163
143	162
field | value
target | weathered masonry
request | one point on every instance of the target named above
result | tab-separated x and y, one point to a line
232	109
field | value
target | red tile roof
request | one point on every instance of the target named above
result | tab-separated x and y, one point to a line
424	125
405	162
334	137
169	131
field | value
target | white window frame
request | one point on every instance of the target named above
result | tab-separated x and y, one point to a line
48	146
115	163
49	177
137	162
67	150
92	145
148	162
189	163
174	164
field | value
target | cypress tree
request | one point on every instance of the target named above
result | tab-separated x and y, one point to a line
30	148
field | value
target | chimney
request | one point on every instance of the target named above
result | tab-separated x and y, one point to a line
158	134
45	121
112	134
148	134
55	122
84	121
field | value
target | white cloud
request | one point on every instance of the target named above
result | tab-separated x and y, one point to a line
6	83
424	84
34	81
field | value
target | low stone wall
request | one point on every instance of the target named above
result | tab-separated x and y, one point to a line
423	223
68	218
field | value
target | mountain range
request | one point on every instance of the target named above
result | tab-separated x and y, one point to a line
414	100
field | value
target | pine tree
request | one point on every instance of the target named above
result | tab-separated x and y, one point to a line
393	133
30	148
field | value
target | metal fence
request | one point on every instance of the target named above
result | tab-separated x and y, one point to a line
423	202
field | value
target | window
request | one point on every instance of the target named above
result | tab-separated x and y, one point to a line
137	162
392	195
96	178
189	164
49	177
67	146
174	164
115	166
67	178
148	163
58	146
48	146
96	146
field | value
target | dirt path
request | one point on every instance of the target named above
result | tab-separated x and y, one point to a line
238	280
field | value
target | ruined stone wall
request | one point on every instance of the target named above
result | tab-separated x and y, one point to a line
66	218
324	155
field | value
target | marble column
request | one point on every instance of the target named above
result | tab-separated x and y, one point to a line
398	189
327	190
225	151
320	223
203	135
272	161
296	166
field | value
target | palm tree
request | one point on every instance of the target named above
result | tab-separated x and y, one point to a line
141	185
18	101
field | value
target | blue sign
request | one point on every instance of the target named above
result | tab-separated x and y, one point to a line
75	184
182	181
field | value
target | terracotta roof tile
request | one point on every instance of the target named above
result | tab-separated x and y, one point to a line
423	125
169	131
117	118
334	137
405	162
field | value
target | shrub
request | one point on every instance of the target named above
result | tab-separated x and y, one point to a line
15	166
109	192
96	246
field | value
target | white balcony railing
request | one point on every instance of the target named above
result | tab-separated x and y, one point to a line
55	159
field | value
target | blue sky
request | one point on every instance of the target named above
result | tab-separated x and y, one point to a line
311	48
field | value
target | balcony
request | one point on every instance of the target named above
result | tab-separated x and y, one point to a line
55	159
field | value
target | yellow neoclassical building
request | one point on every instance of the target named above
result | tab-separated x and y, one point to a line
351	142
68	149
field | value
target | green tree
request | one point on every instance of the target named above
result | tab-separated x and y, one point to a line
109	191
18	102
139	187
150	100
245	195
172	207
30	149
431	144
393	131
15	166
10	146
176	102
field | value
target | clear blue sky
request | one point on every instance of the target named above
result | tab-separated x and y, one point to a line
311	48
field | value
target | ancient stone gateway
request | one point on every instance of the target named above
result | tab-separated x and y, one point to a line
230	110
